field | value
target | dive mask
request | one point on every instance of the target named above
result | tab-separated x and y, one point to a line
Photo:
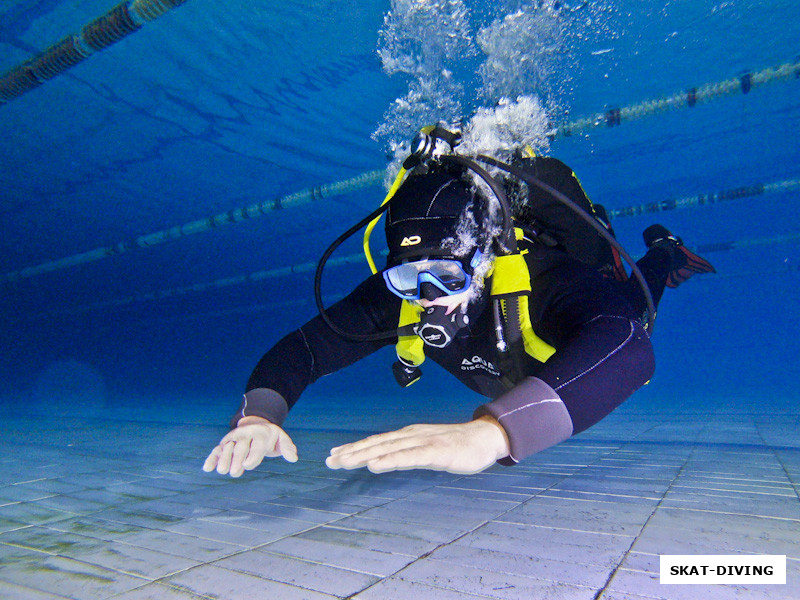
447	276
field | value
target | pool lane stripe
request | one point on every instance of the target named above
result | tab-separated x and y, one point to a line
787	71
118	23
230	217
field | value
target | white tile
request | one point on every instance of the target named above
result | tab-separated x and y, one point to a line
134	560
362	560
239	532
544	566
157	591
582	515
301	573
43	539
565	545
69	577
222	583
11	591
198	549
492	584
555	526
395	588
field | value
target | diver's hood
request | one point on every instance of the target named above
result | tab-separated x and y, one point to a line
424	212
424	215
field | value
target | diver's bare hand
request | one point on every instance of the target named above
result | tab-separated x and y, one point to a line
462	448
245	447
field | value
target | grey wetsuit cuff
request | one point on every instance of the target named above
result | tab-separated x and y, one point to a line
262	402
533	416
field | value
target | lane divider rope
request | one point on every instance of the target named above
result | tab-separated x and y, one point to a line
610	118
231	217
121	21
690	98
358	258
738	193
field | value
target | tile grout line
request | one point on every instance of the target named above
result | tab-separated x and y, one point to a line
473	529
244	550
614	571
161	580
780	461
697	451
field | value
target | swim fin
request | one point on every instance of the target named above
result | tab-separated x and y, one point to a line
685	263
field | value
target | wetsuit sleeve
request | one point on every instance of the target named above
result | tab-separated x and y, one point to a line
314	350
602	356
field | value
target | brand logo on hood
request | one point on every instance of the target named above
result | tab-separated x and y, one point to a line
411	240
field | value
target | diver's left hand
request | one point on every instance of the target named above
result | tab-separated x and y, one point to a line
462	448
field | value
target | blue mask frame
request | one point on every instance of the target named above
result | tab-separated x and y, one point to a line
417	272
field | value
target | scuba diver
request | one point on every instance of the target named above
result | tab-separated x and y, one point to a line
508	277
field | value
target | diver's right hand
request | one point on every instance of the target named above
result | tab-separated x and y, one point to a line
246	446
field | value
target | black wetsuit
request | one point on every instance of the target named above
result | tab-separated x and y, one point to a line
603	354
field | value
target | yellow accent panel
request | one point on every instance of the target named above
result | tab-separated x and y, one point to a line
410	348
534	345
409	313
510	275
392	191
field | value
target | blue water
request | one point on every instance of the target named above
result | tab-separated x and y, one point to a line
217	106
118	375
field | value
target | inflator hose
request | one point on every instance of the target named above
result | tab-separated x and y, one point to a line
356	337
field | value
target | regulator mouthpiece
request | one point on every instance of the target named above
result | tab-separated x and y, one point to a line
437	328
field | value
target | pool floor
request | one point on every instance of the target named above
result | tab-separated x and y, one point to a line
116	506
